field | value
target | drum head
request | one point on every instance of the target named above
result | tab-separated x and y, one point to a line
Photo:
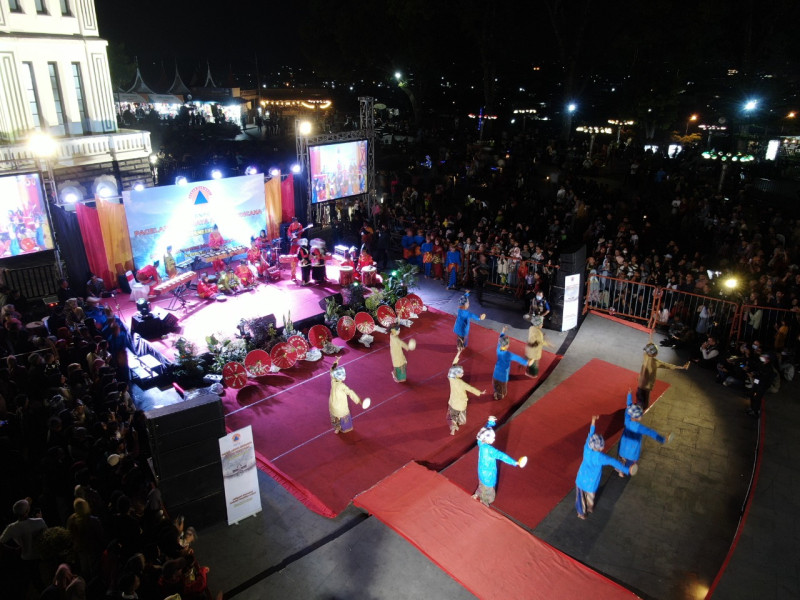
364	322
318	335
257	363
300	344
416	303
386	316
403	308
346	328
283	355
235	375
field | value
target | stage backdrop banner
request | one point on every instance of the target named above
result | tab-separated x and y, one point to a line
242	496
287	199
118	245
272	193
183	216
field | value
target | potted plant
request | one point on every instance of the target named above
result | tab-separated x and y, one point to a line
398	281
225	350
188	368
332	313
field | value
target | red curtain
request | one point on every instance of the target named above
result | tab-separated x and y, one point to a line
287	199
92	235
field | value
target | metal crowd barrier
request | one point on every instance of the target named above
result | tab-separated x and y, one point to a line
764	327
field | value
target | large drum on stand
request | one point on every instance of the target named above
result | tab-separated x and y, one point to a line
369	276
345	276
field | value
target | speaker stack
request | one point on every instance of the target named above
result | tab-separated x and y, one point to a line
571	262
184	439
154	325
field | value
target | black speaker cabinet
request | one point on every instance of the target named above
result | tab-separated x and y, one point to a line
572	260
184	439
556	316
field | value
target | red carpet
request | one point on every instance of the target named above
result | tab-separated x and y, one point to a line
551	433
485	552
291	425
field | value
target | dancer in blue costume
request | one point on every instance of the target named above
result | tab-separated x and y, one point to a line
452	264
502	368
427	256
463	319
488	456
630	446
588	478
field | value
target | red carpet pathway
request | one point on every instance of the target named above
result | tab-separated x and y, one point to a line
485	552
291	425
551	433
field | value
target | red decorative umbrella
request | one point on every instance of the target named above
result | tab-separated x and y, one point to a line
257	363
346	328
318	335
417	305
235	375
283	355
403	308
364	323
300	344
386	316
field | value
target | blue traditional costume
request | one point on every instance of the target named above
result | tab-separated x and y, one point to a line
588	478
502	368
453	264
427	257
630	446
488	456
463	319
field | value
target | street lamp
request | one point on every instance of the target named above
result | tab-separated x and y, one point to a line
44	148
691	119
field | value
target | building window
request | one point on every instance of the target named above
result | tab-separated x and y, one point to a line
65	11
41	7
29	83
14	6
55	83
77	81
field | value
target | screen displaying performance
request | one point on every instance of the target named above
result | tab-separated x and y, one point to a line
338	170
24	228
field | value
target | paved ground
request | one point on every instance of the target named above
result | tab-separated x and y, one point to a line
663	534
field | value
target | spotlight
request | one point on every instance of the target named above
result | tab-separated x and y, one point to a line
274	172
138	186
105	191
296	168
251	170
731	283
143	306
304	128
216	174
181	180
71	197
153	159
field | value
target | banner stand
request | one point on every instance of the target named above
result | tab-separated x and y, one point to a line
240	475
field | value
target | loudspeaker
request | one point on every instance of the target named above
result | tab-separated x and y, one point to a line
184	439
571	260
337	297
122	283
158	323
170	321
556	308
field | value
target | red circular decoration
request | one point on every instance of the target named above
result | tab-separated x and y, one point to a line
300	344
235	375
318	335
364	323
27	244
404	308
386	316
416	303
283	355
257	363
346	328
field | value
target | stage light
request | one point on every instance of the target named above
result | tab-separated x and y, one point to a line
105	190
153	159
274	172
572	107
296	168
251	170
138	186
143	306
731	283
394	273
305	127
181	180
42	145
216	174
750	105
398	75
71	197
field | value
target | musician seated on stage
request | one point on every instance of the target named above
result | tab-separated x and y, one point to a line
148	274
254	258
245	275
170	266
364	260
263	241
228	282
206	289
215	242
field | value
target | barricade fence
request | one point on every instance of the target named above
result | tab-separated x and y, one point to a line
764	323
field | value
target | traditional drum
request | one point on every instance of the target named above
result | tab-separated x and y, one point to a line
345	276
369	276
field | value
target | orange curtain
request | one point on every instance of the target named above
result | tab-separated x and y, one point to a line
114	227
272	201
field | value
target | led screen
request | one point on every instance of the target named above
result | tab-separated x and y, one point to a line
338	170
24	228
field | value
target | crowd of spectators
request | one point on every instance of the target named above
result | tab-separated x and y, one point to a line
81	515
